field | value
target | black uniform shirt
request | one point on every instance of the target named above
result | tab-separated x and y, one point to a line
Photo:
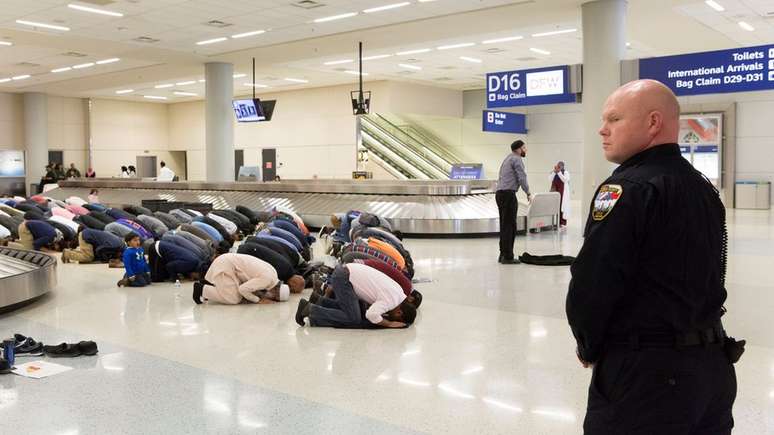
653	258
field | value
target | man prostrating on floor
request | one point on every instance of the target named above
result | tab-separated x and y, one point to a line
352	283
233	278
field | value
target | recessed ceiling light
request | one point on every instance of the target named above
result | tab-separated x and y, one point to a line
95	10
462	45
190	82
239	75
540	51
246	34
43	25
407	66
378	56
255	85
506	39
288	79
124	91
6	43
201	80
386	7
21	77
5	80
715	5
58	70
338	62
211	41
417	51
185	94
555	32
470	59
107	61
165	85
83	65
154	97
335	17
354	73
628	44
746	26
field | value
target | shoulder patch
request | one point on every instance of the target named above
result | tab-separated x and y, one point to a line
607	196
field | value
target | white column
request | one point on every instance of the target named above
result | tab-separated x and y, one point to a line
219	123
604	43
35	137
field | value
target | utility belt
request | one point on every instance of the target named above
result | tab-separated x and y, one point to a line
705	337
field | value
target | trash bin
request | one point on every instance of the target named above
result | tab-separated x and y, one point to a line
753	195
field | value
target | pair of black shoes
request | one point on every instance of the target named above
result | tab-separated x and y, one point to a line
198	291
503	260
26	346
303	311
71	350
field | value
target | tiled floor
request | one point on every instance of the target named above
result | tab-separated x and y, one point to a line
490	353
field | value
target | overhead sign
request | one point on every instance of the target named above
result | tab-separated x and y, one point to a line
714	72
11	163
466	171
529	87
504	122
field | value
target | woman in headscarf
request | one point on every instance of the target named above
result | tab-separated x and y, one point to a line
560	182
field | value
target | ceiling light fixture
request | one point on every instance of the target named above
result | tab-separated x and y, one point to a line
185	94
386	7
354	73
201	80
190	82
246	34
95	10
58	70
239	75
211	41
378	56
335	17
338	62
407	66
540	51
165	85
288	79
6	43
555	32
417	51
746	26
22	77
154	97
506	39
715	5
124	91
107	61
255	85
470	59
43	25
83	65
462	45
5	80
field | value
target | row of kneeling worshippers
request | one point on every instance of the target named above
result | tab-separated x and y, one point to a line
371	287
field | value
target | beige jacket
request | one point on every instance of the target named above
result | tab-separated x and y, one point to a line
249	273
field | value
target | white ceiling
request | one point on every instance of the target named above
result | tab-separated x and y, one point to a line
296	47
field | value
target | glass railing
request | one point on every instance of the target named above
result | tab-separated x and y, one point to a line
419	137
408	157
409	142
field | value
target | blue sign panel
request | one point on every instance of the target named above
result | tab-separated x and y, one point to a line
504	122
466	171
529	87
714	72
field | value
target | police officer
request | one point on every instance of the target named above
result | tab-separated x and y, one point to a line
647	287
512	177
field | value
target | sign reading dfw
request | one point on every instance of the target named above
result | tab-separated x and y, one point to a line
713	72
528	87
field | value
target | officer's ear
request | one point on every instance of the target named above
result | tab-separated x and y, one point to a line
655	122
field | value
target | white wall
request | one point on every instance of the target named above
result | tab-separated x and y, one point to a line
11	121
68	120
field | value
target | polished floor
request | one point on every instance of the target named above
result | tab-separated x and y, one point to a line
490	353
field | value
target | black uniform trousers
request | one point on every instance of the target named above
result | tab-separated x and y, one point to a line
664	391
507	205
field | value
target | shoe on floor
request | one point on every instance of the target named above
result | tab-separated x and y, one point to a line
87	348
27	346
123	282
510	261
314	297
198	290
63	350
302	312
115	264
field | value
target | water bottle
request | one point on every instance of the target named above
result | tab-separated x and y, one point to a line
177	283
8	351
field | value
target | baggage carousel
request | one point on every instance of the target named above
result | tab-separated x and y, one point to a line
24	276
440	208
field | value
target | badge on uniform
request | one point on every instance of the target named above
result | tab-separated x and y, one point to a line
606	198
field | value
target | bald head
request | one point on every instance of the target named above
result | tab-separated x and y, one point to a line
637	116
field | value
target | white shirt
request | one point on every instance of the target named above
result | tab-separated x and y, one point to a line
230	227
64	221
124	174
74	200
4	233
375	288
165	174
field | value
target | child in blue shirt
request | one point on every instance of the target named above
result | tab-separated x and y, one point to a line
137	270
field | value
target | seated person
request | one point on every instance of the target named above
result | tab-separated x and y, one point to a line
233	278
352	283
286	272
170	261
95	245
137	270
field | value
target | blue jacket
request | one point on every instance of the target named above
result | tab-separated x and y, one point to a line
43	233
210	230
266	235
186	244
134	261
102	239
178	259
137	228
291	228
286	235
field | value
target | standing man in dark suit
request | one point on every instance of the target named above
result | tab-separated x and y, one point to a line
512	177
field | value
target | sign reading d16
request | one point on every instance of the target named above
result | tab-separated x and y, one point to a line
528	87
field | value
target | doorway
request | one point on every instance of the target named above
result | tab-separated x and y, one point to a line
56	157
146	166
239	161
